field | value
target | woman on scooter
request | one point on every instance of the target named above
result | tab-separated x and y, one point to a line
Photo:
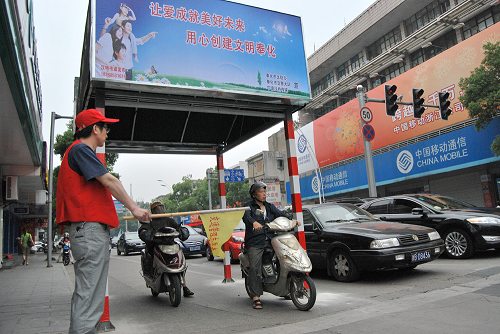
260	213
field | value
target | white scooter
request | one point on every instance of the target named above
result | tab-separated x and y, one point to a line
285	266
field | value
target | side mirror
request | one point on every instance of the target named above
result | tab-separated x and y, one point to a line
417	211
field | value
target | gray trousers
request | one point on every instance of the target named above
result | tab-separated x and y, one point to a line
255	273
90	246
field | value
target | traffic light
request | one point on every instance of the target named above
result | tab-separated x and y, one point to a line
390	100
444	103
418	109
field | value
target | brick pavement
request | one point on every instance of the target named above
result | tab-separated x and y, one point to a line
34	298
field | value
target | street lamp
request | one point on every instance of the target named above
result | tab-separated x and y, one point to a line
209	174
50	240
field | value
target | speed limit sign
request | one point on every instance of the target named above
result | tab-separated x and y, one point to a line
366	114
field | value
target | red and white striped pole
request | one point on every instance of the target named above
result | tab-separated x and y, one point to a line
105	324
222	194
293	177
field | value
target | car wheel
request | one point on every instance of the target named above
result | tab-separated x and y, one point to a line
208	253
458	244
125	251
342	266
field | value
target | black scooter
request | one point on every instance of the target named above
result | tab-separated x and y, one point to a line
165	270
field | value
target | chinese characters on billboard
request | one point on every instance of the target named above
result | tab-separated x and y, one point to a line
207	45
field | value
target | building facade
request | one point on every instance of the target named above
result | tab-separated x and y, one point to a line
427	44
22	150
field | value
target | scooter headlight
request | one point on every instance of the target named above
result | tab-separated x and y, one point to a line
169	249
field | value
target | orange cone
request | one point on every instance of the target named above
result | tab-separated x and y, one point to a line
105	324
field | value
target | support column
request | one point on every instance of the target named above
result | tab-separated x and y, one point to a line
222	193
293	177
100	106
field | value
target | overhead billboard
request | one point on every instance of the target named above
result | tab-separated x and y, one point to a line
337	135
204	45
454	150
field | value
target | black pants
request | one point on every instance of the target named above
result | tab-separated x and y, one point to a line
255	273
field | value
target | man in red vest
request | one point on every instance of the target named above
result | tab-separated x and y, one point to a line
85	205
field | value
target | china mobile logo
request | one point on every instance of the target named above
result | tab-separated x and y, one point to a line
302	143
404	161
315	184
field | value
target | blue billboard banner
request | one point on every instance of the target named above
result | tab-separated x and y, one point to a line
458	149
205	45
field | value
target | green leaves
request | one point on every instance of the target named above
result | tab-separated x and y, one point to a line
481	90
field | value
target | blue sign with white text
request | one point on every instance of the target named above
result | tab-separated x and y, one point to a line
234	175
451	151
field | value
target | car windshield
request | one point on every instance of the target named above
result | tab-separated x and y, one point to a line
132	236
240	227
342	213
443	202
190	229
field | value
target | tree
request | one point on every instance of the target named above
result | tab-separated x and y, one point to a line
259	78
192	195
63	141
481	93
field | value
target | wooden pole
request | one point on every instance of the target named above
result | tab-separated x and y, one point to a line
188	213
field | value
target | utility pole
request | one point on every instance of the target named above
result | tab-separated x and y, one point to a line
209	170
50	237
370	172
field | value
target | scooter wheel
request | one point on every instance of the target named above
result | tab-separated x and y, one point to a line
302	292
175	290
154	293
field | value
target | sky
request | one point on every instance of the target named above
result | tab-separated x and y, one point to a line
59	30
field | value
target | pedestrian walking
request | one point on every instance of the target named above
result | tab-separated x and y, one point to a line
84	204
26	244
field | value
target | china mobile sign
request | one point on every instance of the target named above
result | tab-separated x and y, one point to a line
451	151
196	44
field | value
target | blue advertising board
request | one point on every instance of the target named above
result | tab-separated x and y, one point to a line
458	149
205	45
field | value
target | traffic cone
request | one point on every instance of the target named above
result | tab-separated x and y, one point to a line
105	324
227	264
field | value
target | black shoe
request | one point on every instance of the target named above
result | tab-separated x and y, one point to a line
187	292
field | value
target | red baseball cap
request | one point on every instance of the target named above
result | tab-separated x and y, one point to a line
91	116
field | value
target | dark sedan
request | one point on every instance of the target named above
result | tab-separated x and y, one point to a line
129	242
195	244
463	227
347	240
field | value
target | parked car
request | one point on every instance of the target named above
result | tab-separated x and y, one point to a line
37	247
463	227
352	200
235	242
195	244
129	242
347	240
114	241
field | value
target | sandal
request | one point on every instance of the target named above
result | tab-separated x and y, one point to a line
257	304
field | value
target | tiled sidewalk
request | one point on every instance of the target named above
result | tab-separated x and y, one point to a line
34	298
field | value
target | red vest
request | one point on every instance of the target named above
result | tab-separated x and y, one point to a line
79	200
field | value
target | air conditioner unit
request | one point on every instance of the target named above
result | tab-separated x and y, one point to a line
11	193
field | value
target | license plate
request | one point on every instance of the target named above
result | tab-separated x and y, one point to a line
420	256
195	248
